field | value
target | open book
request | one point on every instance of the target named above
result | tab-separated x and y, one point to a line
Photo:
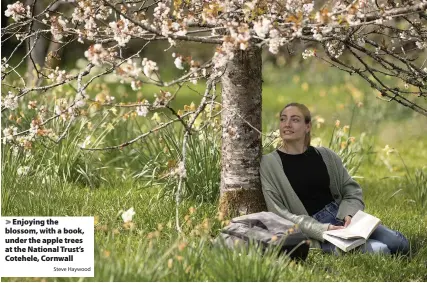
361	227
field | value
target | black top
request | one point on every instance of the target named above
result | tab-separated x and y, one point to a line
308	176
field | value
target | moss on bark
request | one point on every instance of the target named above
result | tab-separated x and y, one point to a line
239	202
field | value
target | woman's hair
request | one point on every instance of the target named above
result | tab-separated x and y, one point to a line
307	119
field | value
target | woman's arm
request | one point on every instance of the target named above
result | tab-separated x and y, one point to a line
307	224
351	192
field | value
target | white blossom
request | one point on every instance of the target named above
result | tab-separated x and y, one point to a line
90	26
379	21
17	11
402	35
9	133
335	48
421	45
149	67
130	69
122	30
178	63
274	42
307	8
161	11
223	54
318	36
171	42
34	128
127	215
97	54
58	75
58	27
80	103
32	104
23	170
262	27
87	10
326	30
142	110
181	171
360	41
135	85
10	101
308	53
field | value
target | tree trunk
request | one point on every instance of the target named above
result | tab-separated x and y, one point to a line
38	53
241	143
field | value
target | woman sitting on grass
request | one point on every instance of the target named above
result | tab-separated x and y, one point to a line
311	187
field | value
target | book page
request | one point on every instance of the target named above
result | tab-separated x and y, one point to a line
362	225
343	244
343	233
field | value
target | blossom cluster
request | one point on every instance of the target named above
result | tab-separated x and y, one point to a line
122	30
58	27
87	12
232	25
308	53
10	101
18	11
9	133
97	54
142	110
149	67
58	75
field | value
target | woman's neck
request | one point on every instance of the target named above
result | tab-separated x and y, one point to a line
293	148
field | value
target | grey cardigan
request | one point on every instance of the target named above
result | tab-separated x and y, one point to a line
283	201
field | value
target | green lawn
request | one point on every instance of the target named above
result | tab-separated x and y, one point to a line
124	255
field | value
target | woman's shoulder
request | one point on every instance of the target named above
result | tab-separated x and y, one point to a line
328	155
323	149
269	158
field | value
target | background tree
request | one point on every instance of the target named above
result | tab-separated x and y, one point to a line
376	40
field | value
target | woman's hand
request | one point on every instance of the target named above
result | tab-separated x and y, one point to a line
347	220
333	227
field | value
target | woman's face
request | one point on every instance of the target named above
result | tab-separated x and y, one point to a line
292	125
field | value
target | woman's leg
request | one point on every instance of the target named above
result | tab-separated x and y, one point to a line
374	246
395	241
328	215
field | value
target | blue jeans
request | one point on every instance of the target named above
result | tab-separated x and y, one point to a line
382	240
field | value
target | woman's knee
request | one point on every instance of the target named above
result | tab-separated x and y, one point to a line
399	244
395	241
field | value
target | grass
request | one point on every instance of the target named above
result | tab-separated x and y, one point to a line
64	180
144	255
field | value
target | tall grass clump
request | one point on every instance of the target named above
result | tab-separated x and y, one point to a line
415	185
412	181
47	159
159	155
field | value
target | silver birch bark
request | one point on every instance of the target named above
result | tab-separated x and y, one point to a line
241	143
